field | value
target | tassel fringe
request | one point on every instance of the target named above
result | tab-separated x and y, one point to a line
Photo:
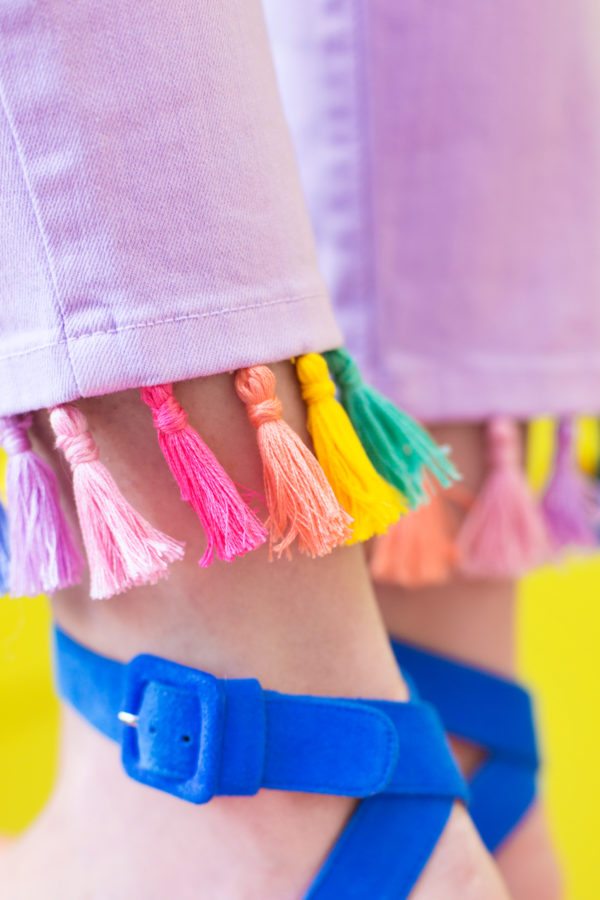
569	501
299	499
504	534
231	527
123	549
44	554
399	448
373	504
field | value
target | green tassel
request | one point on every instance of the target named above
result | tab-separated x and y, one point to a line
399	448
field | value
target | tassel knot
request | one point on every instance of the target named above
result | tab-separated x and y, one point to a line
167	413
256	388
75	441
345	371
14	436
504	447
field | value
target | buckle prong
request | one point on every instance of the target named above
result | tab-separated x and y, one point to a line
128	718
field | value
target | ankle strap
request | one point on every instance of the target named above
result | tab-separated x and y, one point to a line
474	703
196	736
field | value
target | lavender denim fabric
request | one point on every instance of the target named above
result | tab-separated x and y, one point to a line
152	221
450	155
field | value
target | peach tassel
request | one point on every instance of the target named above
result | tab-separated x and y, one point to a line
299	499
417	550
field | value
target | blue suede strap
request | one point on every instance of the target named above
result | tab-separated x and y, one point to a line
193	735
494	713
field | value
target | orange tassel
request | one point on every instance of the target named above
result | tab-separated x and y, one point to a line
299	498
418	549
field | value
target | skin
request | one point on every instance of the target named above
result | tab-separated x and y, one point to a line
475	621
299	625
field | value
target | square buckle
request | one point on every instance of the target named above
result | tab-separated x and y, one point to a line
202	785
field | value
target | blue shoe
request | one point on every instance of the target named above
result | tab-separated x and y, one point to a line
494	713
190	734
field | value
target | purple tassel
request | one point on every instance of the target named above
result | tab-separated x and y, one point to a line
569	501
4	553
44	555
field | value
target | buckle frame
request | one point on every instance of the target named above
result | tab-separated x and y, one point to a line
203	783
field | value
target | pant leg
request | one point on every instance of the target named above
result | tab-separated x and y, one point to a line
450	155
152	219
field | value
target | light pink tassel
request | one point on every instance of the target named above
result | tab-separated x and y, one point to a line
231	527
569	501
44	554
503	534
123	549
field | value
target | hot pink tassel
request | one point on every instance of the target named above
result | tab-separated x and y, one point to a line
569	501
123	549
44	554
300	500
503	534
231	527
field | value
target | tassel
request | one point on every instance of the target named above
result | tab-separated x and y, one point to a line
299	498
123	549
504	533
231	527
372	502
568	503
418	549
4	553
400	449
44	554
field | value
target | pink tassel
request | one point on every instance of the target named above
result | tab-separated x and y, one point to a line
123	549
504	533
418	549
569	500
299	498
44	554
231	527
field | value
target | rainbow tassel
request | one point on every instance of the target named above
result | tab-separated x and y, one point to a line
399	448
504	534
231	527
44	554
123	549
299	498
4	552
373	504
569	501
419	549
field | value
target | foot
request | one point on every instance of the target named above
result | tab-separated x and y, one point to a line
104	836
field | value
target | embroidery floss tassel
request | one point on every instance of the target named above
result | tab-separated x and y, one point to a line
123	549
372	502
399	448
568	503
503	535
4	553
418	549
44	555
231	527
299	498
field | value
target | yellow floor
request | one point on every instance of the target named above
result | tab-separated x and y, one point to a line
560	638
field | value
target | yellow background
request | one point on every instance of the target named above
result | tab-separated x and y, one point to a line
559	637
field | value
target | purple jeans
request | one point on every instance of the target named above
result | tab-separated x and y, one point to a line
154	227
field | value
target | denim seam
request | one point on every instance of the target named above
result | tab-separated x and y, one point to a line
42	234
157	322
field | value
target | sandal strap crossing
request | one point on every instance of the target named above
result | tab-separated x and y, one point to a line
196	736
496	714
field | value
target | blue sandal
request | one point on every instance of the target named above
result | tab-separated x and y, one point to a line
190	734
495	714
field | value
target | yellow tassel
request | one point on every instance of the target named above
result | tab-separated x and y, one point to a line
373	504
